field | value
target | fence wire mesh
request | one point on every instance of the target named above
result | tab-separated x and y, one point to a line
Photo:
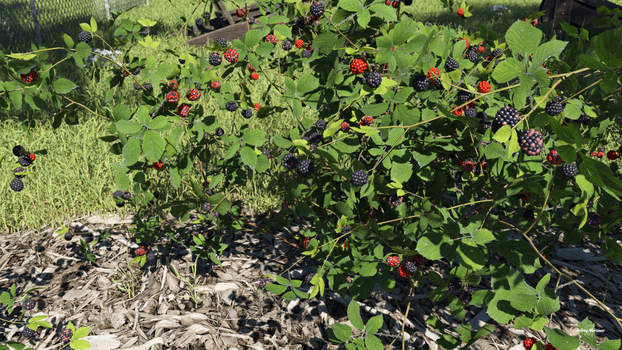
17	28
54	17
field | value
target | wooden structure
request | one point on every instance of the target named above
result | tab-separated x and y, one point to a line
575	12
225	24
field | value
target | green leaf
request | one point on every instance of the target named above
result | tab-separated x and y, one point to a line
374	324
401	172
507	70
587	331
131	152
402	32
591	62
608	46
503	134
471	257
567	152
63	86
79	344
561	340
342	332
351	5
68	41
283	30
282	142
153	145
373	343
493	151
249	157
561	131
83	50
128	127
545	51
354	314
523	38
307	83
609	345
81	332
385	11
93	24
255	138
363	17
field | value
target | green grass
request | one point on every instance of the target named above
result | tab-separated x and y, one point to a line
74	175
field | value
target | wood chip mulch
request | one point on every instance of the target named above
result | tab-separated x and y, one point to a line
232	312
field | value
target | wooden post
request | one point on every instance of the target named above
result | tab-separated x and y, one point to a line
563	11
225	12
107	8
35	21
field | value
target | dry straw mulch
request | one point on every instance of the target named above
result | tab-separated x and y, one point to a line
233	313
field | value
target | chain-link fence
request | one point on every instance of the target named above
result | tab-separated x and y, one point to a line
23	22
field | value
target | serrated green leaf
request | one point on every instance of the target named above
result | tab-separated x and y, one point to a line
249	157
354	314
153	145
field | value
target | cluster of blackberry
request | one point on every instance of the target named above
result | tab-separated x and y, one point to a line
24	159
120	197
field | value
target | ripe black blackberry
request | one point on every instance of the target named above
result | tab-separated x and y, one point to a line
316	138
306	54
29	304
464	95
117	194
345	232
531	142
17	171
505	116
471	56
309	277
65	335
482	116
219	132
373	79
16	185
420	82
320	125
199	22
206	207
156	194
407	2
465	297
222	41
359	178
267	153
85	37
305	168
207	16
317	9
215	214
451	65
287	45
289	161
151	256
584	119
126	195
470	112
553	108
24	160
250	20
473	48
215	59
411	266
247	113
454	285
28	333
231	106
528	215
593	220
19	150
569	169
68	236
497	53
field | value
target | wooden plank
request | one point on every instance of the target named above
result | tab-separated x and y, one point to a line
230	33
549	6
225	12
584	12
563	10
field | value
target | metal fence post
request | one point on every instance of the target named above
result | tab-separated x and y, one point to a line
33	10
107	7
